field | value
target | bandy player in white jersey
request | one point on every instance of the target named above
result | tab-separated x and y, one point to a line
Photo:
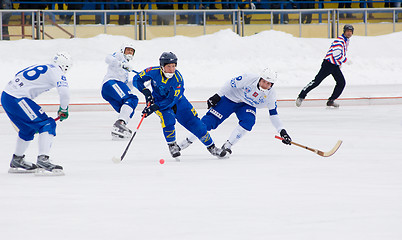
116	91
242	95
28	116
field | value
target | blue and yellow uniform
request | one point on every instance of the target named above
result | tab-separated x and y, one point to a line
168	94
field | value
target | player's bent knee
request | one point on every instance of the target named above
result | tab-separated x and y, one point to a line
49	127
199	129
26	136
167	121
132	101
210	122
247	125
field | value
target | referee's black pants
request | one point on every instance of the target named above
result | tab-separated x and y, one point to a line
327	68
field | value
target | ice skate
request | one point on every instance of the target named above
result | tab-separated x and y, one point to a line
332	103
227	147
217	152
174	150
19	165
185	143
45	167
120	131
299	101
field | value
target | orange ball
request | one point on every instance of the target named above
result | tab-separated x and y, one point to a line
162	161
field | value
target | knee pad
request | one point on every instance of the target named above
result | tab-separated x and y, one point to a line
26	136
167	118
210	121
247	124
132	101
49	127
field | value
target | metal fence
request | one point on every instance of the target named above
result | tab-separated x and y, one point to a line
147	24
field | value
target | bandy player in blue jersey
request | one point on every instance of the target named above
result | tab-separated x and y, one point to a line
168	101
242	95
29	118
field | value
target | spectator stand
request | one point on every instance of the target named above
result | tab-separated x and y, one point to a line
197	20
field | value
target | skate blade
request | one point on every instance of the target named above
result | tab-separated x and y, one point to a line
225	157
117	138
20	170
178	159
40	172
120	137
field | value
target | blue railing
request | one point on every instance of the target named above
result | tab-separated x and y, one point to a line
263	4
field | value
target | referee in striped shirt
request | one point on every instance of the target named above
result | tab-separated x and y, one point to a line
335	57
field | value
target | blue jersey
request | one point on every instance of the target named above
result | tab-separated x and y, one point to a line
166	92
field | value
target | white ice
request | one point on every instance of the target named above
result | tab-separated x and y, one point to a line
265	190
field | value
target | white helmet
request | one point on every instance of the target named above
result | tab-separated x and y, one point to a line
123	47
63	60
269	75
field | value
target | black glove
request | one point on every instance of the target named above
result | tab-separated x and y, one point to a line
286	137
174	108
213	101
148	96
150	109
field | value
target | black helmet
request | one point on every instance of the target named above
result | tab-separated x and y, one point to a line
348	27
166	58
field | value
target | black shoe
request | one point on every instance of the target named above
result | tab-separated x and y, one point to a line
299	101
227	147
331	103
174	149
217	152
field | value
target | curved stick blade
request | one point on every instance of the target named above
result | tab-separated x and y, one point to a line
333	150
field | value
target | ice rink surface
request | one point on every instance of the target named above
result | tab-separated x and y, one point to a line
265	190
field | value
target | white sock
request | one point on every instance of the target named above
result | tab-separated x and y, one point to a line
45	143
237	133
21	147
125	112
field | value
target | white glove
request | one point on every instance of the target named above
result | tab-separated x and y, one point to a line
126	66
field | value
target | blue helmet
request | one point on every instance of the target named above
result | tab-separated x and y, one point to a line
348	27
166	58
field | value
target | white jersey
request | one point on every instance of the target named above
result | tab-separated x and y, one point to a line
114	70
244	88
34	80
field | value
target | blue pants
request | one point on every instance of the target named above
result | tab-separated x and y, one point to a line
225	107
187	117
27	116
118	93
